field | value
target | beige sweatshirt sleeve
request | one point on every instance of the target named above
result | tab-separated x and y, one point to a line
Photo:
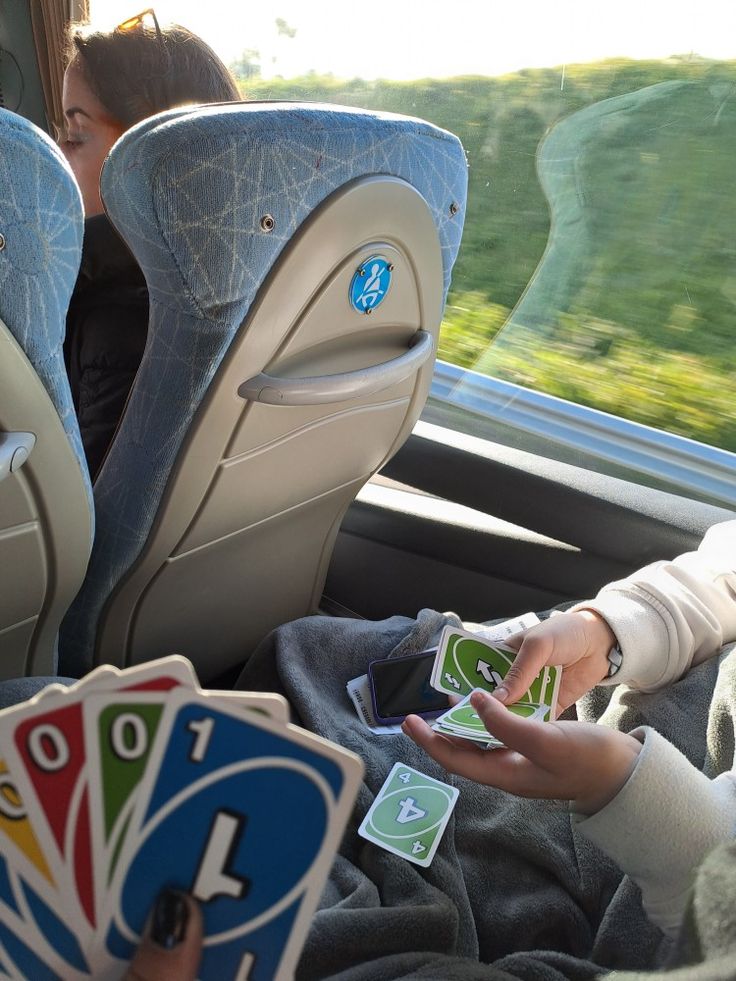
671	615
662	824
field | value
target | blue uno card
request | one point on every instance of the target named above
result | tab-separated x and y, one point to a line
40	935
246	815
24	960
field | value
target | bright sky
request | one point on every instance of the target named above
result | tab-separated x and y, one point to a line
420	38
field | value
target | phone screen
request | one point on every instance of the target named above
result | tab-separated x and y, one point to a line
401	686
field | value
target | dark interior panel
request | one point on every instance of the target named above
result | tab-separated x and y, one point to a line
478	575
20	82
600	514
573	531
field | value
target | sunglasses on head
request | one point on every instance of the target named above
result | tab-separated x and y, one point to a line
140	21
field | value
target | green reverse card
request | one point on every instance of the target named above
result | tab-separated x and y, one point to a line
465	661
409	814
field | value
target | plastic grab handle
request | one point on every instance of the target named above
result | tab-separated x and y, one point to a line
323	389
15	448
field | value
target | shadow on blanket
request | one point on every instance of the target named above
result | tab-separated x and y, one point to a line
511	894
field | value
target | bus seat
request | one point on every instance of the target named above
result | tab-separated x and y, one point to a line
297	259
45	492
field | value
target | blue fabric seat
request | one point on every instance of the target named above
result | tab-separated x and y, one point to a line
210	201
46	515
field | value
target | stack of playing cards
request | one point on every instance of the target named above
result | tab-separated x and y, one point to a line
133	780
466	662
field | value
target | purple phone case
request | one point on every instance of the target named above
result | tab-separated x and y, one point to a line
392	720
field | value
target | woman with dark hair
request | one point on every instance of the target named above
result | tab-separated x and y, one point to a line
113	80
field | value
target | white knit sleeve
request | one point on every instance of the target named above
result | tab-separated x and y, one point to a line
662	824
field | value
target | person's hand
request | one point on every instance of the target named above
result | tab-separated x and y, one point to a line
171	948
576	761
578	641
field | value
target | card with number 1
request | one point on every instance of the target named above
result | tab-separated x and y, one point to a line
262	807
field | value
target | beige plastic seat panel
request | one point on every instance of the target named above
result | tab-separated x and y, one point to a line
45	533
252	509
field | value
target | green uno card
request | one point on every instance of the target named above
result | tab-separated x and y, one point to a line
464	718
463	721
120	734
409	814
465	661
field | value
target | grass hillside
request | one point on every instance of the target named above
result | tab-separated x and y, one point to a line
632	310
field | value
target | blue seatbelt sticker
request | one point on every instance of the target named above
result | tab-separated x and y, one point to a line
370	284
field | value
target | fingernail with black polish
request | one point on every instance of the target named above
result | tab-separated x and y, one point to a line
170	919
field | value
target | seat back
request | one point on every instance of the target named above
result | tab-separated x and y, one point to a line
45	494
297	259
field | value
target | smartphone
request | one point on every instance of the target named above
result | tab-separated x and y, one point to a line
400	686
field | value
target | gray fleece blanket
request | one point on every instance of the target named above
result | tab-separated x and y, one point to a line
512	893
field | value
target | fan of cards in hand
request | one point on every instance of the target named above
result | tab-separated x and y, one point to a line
130	781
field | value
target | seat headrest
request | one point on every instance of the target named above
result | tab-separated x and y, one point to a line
41	223
189	189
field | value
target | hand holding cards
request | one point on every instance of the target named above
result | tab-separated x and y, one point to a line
465	662
131	781
412	810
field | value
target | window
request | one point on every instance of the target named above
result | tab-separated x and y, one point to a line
599	259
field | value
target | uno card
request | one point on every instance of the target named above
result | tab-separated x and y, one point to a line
483	742
464	722
39	932
161	675
121	729
261	807
18	839
30	899
24	955
270	704
118	747
465	661
410	814
45	753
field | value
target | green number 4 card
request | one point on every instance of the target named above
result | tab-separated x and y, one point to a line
409	814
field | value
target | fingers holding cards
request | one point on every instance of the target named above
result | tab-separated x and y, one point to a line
133	780
466	662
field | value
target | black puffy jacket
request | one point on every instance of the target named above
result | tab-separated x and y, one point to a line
106	330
